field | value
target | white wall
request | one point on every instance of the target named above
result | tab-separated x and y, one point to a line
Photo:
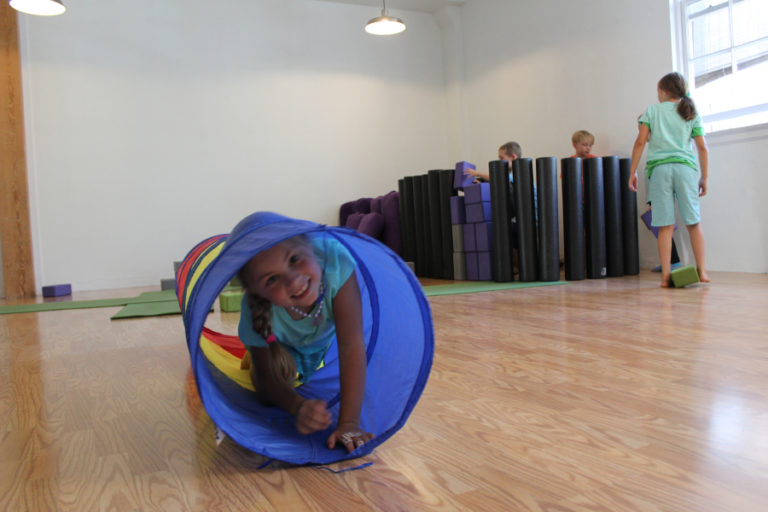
153	125
538	70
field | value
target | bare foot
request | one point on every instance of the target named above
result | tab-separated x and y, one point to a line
703	277
667	282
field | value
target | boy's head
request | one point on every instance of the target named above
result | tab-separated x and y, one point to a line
582	143
510	151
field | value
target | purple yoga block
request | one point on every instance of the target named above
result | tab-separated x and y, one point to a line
477	193
459	179
484	236
469	237
484	266
57	290
478	212
457	210
470	259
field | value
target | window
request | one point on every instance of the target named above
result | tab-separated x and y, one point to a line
723	52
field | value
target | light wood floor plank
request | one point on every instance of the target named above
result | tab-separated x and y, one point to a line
599	395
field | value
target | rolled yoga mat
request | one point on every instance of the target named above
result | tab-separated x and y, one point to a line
573	219
594	217
426	219
629	220
549	230
435	227
614	236
397	330
522	170
405	187
446	192
419	227
502	269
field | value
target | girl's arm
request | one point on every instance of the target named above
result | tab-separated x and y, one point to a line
311	415
701	147
352	365
637	151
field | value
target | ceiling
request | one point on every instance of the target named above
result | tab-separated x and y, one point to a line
403	5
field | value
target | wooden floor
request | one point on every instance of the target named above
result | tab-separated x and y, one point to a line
599	395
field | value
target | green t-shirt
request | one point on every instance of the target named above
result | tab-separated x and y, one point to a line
671	136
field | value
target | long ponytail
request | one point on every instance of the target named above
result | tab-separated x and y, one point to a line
674	84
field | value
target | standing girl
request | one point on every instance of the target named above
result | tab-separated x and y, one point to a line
300	294
671	166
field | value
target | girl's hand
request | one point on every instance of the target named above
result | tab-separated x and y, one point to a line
633	183
349	436
311	416
702	187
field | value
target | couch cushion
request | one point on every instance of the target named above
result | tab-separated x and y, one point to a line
372	224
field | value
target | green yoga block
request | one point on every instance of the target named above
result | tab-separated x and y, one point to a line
685	276
229	300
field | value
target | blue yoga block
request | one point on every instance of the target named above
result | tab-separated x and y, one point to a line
459	179
477	193
478	212
484	266
57	290
471	266
484	236
457	210
469	238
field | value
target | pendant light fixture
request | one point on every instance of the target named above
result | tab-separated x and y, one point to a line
385	25
38	7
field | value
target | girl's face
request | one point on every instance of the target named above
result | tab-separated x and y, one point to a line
287	275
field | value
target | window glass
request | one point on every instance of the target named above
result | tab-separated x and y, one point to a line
725	55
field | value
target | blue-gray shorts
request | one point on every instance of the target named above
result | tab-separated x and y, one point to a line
669	182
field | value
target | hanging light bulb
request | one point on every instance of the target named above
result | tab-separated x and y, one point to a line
39	7
385	25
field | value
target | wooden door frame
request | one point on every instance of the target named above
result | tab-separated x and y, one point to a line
15	226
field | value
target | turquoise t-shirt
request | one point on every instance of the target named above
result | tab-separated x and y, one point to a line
305	341
671	136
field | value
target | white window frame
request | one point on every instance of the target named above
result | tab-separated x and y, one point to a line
680	38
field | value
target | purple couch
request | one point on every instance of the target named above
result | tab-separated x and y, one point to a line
377	217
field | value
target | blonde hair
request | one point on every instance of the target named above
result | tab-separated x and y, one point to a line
580	135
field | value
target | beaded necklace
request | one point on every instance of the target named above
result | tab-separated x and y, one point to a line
317	319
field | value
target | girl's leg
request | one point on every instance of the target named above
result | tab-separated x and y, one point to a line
665	253
697	242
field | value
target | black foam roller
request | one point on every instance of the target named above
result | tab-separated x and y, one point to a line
426	219
446	191
501	221
594	217
549	229
522	170
435	227
419	229
629	220
614	238
573	219
407	234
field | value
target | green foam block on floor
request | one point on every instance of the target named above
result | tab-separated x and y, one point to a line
685	276
229	300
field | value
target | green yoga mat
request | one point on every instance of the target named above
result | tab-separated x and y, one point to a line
482	286
144	298
165	303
